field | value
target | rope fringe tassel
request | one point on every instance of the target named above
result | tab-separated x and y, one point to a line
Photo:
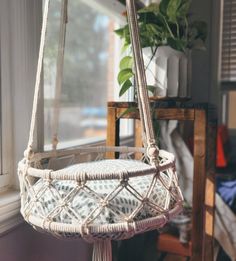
102	251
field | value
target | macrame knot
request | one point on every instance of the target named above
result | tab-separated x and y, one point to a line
145	201
124	176
167	217
81	179
48	177
131	226
124	183
152	151
84	230
46	224
28	153
54	142
104	203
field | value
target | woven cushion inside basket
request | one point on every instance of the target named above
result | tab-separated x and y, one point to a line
67	202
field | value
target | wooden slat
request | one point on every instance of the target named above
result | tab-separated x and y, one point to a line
199	184
210	191
175	114
161	114
113	125
209	219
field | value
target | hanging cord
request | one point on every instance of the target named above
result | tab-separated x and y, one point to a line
145	113
144	136
28	151
59	73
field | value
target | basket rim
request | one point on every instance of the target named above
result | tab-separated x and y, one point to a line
63	175
136	227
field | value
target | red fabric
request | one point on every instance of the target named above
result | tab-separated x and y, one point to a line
222	146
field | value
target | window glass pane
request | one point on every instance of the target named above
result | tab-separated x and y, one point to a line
90	69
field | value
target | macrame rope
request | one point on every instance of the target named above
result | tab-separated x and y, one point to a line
141	82
38	79
59	73
63	215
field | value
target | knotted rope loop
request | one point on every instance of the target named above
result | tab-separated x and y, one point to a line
81	179
28	153
145	201
167	217
104	203
55	141
124	182
124	176
46	224
152	152
84	231
131	226
48	175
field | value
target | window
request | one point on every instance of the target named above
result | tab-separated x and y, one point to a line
92	54
228	64
20	25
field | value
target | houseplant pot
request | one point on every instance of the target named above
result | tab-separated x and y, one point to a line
168	32
169	72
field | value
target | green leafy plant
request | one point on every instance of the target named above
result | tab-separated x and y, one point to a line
168	23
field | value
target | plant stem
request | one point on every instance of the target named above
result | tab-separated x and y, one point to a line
177	26
168	28
153	54
186	23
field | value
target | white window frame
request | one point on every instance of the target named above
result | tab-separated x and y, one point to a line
18	51
6	115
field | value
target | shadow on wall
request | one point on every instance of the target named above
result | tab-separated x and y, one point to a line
26	244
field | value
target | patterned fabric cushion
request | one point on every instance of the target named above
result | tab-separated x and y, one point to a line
69	202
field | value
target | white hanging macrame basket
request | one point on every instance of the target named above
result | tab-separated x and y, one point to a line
105	199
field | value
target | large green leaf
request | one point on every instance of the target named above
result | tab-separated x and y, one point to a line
153	29
184	8
150	18
163	6
125	87
120	31
172	10
123	32
126	63
124	75
152	8
125	47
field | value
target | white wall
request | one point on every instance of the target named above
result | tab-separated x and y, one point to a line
201	70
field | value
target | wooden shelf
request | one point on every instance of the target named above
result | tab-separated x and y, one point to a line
203	117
